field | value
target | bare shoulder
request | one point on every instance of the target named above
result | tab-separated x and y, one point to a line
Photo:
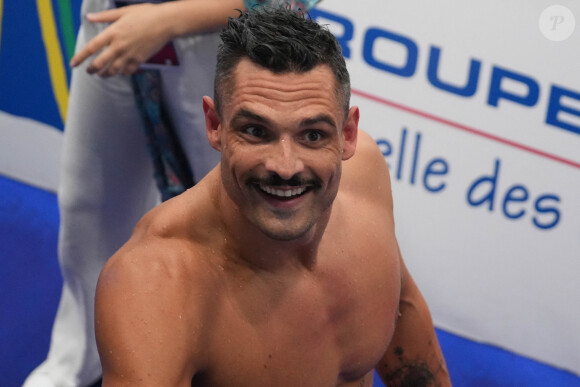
366	174
365	205
366	210
150	299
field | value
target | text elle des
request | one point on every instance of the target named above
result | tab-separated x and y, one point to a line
483	191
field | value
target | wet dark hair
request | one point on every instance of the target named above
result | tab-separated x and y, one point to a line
282	41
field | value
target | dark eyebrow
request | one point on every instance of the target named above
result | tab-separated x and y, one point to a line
247	114
319	118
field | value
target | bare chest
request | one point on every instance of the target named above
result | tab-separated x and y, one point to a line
327	330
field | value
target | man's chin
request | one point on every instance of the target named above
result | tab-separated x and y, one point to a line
285	234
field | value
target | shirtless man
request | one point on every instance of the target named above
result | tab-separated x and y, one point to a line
274	270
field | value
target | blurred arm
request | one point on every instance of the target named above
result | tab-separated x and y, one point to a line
138	31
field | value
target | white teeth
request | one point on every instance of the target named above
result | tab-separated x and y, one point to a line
283	193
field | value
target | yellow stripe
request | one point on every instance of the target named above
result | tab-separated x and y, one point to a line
54	55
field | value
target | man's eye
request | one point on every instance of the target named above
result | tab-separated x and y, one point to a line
255	131
314	136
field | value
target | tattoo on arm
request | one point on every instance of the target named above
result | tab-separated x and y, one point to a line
408	373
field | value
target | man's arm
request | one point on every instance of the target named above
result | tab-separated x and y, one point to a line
145	321
138	31
414	357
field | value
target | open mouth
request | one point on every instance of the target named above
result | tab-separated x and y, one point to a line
283	193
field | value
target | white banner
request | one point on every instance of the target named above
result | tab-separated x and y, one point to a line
476	107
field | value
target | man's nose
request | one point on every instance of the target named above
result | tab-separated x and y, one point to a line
285	159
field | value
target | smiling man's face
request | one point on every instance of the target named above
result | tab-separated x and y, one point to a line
283	138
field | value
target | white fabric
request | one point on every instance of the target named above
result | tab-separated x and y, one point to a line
107	185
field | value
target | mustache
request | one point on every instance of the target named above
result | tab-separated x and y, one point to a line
274	180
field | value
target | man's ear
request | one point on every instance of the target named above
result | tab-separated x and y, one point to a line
212	124
350	133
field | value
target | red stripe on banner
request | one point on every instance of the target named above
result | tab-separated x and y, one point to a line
467	129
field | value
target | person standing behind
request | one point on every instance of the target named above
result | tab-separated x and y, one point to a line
280	267
106	173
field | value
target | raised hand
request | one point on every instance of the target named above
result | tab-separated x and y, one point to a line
136	33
